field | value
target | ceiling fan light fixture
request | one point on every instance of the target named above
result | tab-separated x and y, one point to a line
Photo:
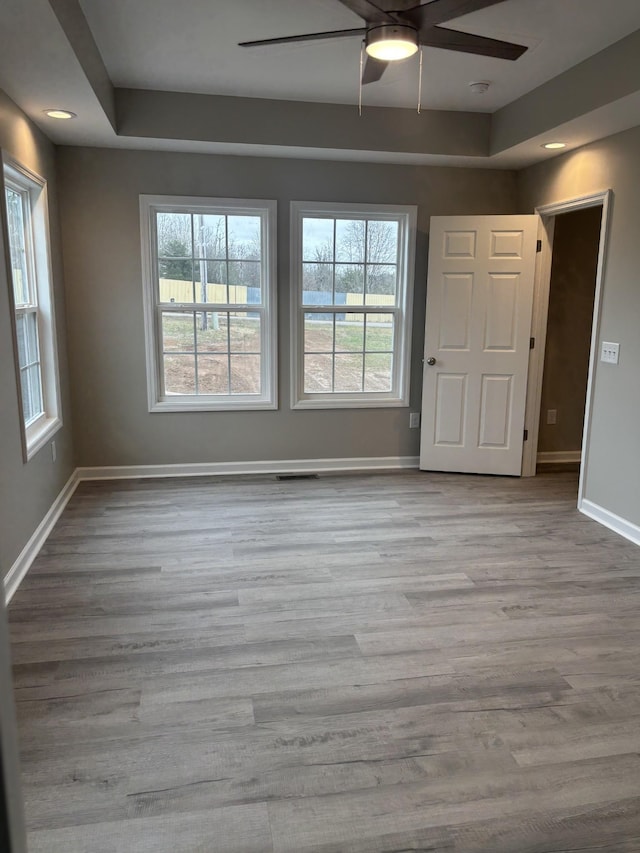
391	42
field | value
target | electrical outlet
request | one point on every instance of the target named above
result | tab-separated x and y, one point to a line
54	452
552	416
414	420
610	352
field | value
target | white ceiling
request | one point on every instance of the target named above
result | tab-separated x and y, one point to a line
191	46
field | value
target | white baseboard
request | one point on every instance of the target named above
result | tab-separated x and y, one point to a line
558	456
19	569
280	466
611	520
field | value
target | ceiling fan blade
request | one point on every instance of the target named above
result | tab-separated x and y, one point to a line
332	34
469	43
373	70
439	11
371	13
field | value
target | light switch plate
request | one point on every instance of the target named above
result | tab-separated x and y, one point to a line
610	352
414	420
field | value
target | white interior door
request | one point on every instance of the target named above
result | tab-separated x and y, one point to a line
478	325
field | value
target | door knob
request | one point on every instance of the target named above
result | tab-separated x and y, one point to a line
431	361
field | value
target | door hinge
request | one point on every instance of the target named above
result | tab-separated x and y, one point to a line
526	434
532	343
538	245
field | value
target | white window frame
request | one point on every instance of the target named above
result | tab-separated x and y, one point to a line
406	217
33	188
157	400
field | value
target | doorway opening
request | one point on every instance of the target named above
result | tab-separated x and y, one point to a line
565	373
566	320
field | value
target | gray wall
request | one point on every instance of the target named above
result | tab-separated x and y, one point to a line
299	124
566	358
27	490
101	240
612	457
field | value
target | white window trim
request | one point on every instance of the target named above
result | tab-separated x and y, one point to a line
267	210
41	430
407	215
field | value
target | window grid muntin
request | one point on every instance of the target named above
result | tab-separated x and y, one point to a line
31	388
201	259
26	233
391	311
366	263
17	240
196	352
394	310
261	263
26	241
401	223
226	251
29	311
213	307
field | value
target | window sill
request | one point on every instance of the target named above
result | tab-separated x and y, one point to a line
348	402
39	434
187	405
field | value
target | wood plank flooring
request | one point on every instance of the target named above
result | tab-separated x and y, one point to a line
354	664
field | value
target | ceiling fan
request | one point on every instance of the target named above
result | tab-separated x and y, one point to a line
397	33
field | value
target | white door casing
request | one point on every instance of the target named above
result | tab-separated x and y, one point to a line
478	325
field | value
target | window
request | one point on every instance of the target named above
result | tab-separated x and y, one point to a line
209	278
353	269
27	231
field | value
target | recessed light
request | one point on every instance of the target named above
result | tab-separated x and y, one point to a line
59	114
553	146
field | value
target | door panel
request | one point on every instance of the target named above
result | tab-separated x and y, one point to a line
479	302
494	411
506	244
450	409
459	244
502	301
455	318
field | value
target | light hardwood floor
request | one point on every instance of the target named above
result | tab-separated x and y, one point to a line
354	664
